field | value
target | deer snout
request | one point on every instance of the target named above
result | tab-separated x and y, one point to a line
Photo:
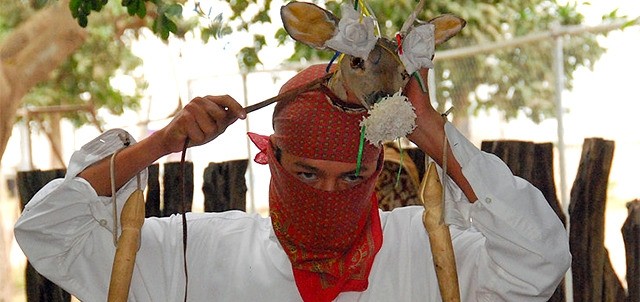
374	97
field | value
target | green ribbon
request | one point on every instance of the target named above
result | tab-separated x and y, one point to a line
418	77
360	150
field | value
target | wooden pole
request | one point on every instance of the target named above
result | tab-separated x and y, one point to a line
172	194
439	236
631	236
131	220
224	186
592	278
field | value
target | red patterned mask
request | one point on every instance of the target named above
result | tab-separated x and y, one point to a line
330	237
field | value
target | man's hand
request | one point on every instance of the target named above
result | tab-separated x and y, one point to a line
429	133
201	120
419	99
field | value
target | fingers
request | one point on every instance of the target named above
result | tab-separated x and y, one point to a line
204	118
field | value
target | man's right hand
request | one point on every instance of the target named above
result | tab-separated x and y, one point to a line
201	120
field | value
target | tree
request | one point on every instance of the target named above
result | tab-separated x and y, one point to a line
66	52
47	59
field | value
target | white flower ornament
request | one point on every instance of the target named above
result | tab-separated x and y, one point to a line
418	48
390	118
355	35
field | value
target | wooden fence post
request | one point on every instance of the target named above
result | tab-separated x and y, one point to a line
172	193
533	162
152	203
631	236
593	278
224	186
39	289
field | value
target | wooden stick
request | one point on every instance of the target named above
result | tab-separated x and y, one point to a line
131	219
289	94
439	235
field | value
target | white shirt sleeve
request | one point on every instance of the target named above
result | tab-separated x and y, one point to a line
526	251
509	245
66	233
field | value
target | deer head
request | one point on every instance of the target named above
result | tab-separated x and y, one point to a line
374	68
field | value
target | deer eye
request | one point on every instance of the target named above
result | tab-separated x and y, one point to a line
357	63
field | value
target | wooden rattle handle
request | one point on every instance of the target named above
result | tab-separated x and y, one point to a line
439	236
131	218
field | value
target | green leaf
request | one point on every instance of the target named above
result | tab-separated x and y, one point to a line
248	58
259	41
83	21
629	23
205	34
132	8
261	17
142	9
74	6
170	25
238	7
174	10
281	36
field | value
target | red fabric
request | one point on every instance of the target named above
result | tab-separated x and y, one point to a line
261	142
311	127
330	237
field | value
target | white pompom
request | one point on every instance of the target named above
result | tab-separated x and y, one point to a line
390	118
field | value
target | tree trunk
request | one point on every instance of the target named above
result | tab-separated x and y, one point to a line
152	205
29	53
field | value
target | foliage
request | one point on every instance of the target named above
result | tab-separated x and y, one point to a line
86	75
163	21
517	80
168	14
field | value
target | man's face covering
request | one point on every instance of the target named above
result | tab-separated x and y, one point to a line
331	237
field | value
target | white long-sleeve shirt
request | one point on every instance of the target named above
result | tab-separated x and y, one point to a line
509	245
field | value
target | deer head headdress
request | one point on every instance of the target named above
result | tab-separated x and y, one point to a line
373	67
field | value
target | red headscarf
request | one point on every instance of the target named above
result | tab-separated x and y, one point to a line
330	237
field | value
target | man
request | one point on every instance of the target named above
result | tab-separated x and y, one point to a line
325	239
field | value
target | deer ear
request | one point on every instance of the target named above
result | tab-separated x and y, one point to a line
309	24
447	26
